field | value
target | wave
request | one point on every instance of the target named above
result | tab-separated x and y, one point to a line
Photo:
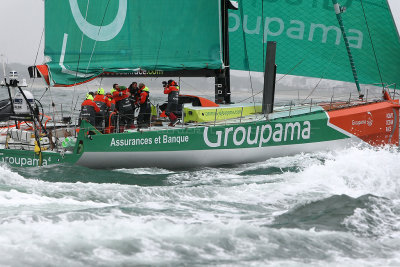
317	208
368	216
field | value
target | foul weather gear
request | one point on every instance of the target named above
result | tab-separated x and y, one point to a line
104	105
88	111
173	101
145	108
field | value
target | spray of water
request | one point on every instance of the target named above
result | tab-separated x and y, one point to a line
224	216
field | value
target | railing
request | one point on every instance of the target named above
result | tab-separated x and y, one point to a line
289	109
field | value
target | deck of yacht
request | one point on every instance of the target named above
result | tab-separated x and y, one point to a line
23	138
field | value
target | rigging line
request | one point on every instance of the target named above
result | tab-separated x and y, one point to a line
37	54
95	42
194	88
263	23
101	81
372	44
44	93
47	88
52	101
247	54
159	48
76	103
79	58
322	76
298	64
295	66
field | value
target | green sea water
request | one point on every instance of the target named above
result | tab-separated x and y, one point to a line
338	208
323	209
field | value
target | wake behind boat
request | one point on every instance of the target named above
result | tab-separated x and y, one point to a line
210	133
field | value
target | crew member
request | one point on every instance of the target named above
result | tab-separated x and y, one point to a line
144	116
112	100
111	118
172	90
89	110
134	90
104	104
124	106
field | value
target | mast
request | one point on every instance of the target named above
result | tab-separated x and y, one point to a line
222	79
339	10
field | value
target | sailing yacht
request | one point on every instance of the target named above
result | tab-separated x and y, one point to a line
208	38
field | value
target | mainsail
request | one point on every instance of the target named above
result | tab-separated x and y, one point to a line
310	42
87	38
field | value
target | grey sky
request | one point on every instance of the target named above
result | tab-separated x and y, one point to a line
21	26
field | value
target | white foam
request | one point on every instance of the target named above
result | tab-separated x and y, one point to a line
149	171
210	215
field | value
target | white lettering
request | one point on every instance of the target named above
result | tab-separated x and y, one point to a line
237	22
306	132
359	122
296	32
264	140
239	129
357	40
21	161
257	27
262	135
325	31
210	144
292	126
227	131
296	29
269	32
277	136
131	142
254	141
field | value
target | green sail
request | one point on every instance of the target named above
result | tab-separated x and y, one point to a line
86	38
309	41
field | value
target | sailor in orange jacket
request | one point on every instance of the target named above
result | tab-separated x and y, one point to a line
104	104
89	110
120	93
144	116
172	90
123	105
112	100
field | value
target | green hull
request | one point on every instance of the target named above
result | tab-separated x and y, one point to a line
25	158
190	146
247	140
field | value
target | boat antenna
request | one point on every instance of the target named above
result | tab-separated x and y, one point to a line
339	10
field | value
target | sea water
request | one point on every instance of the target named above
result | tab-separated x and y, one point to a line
334	208
337	208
